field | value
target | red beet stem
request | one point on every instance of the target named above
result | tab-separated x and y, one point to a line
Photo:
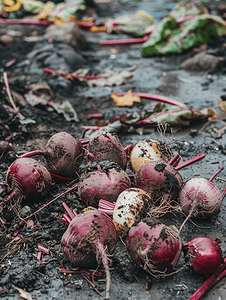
223	194
210	282
60	178
43	249
31	153
106	204
88	77
107	211
124	42
26	22
128	148
215	174
190	161
39	255
75	213
174	160
95	116
67	218
62	220
84	141
156	97
86	25
9	95
70	213
50	202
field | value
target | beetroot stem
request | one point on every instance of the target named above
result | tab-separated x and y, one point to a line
223	194
70	213
190	161
31	153
56	198
9	95
26	22
156	97
215	174
174	160
210	282
128	148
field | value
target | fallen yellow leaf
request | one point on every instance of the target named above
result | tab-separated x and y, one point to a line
126	100
221	105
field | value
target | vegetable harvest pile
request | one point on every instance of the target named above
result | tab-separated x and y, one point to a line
125	193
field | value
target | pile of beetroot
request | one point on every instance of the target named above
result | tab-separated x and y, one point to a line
126	191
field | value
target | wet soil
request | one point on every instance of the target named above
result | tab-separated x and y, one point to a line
156	75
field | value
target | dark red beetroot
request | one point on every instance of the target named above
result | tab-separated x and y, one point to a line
89	239
64	154
158	179
154	246
28	178
106	146
103	180
204	255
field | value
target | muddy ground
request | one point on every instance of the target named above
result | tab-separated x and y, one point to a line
155	75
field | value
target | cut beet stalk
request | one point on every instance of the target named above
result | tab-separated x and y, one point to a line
67	218
190	161
26	22
39	255
215	174
63	220
50	202
31	153
43	249
70	213
86	25
213	279
157	98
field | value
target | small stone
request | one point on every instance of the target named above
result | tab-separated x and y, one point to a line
6	39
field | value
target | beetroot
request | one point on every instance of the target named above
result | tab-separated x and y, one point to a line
158	179
131	204
89	239
103	180
204	255
28	178
106	146
64	154
154	246
200	198
149	150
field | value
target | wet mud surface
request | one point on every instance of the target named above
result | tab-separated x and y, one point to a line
156	75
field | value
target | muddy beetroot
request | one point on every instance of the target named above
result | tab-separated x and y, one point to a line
158	179
28	178
106	146
103	180
131	204
154	246
204	255
149	150
64	154
89	239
